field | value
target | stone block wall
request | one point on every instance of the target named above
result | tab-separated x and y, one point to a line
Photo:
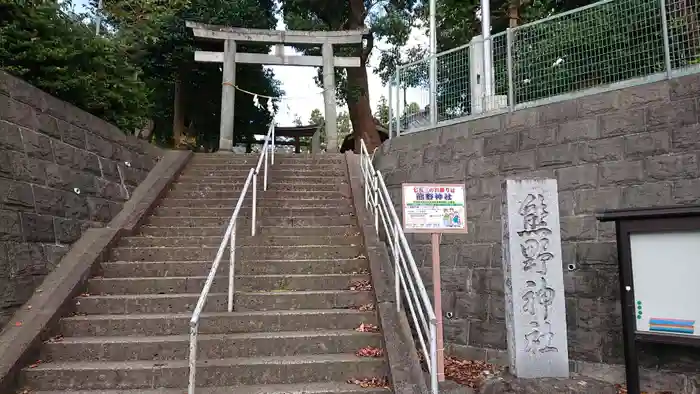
635	147
62	170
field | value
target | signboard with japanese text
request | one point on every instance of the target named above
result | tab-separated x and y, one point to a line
434	208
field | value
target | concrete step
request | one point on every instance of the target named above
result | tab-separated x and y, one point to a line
194	284
209	346
253	158
300	388
279	159
272	178
217	302
212	372
271	186
245	223
122	269
276	172
246	211
242	240
286	166
243	253
292	194
262	202
215	323
263	231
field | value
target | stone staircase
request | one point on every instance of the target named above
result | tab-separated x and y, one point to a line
294	325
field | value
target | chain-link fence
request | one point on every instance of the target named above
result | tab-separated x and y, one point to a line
594	46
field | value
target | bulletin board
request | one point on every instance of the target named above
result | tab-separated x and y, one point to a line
666	281
659	270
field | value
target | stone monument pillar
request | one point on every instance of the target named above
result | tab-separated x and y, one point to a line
534	279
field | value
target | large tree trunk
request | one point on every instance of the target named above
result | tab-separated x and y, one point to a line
360	111
513	13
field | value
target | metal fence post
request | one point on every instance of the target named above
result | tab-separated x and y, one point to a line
509	65
397	261
433	64
398	101
232	267
255	197
265	174
667	44
194	329
433	358
375	200
391	124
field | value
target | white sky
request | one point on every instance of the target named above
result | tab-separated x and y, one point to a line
302	94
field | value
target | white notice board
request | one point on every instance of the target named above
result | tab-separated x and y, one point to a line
434	208
666	280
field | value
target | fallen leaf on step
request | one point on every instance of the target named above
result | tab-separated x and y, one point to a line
369	351
361	256
57	338
366	327
467	372
622	389
361	285
36	364
366	307
370	382
18	324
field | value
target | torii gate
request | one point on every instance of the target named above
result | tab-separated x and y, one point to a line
230	35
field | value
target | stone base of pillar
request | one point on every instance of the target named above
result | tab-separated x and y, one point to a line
225	145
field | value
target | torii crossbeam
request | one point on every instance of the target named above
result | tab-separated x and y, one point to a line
229	58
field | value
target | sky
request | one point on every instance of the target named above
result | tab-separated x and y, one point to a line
301	93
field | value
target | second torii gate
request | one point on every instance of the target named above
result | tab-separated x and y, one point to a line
229	57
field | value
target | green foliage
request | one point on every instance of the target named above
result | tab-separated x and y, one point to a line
297	120
162	45
604	44
127	74
342	121
344	125
607	43
316	117
53	50
388	20
383	111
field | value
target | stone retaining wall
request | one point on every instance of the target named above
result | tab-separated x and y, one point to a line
635	147
62	170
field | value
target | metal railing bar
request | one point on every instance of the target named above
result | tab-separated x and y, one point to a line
219	255
229	239
404	243
411	291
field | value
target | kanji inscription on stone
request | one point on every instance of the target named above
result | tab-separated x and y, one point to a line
534	279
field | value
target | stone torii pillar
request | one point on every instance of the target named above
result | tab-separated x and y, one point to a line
231	35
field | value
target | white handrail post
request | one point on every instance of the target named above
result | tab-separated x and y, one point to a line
375	198
255	197
194	328
433	357
265	174
232	267
272	159
397	280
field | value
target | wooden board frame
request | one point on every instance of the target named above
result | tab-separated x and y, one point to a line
644	220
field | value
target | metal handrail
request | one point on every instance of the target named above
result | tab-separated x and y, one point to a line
230	239
407	279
